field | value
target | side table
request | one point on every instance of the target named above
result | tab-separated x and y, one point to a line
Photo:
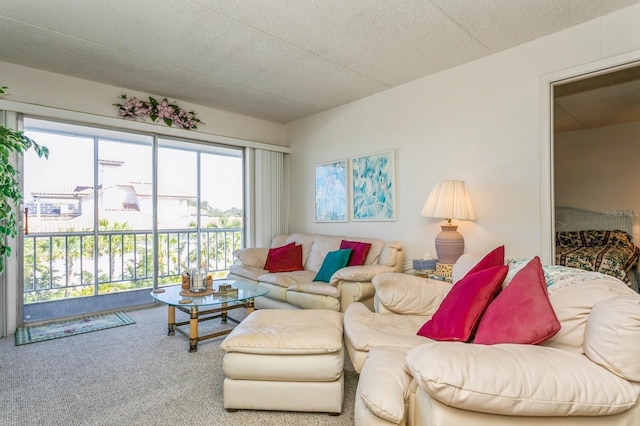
443	272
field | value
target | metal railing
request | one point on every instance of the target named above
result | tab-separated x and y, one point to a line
64	265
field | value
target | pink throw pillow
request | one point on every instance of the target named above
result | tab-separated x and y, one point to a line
522	312
459	313
494	258
359	251
286	258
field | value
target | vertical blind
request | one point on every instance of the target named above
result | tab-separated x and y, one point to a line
271	202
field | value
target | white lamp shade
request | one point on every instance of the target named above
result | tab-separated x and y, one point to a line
449	199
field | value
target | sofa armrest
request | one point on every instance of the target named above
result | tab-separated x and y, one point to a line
385	384
254	257
355	285
408	294
518	380
351	292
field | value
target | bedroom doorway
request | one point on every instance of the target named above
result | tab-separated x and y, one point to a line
596	123
595	156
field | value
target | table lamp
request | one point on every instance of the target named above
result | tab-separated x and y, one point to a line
448	200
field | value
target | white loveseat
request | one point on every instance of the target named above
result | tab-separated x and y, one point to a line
297	290
587	374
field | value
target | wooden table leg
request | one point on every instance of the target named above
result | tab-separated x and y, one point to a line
250	306
193	330
223	314
171	321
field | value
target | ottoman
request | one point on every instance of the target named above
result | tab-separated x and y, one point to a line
286	360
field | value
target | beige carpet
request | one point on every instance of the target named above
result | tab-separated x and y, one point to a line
134	375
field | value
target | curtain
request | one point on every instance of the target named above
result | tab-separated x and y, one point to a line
11	313
3	280
271	206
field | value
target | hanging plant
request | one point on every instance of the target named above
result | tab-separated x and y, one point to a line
11	141
171	114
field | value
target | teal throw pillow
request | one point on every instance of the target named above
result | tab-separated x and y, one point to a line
332	262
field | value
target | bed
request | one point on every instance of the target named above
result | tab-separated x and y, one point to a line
597	241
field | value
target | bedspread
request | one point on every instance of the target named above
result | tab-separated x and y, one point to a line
609	252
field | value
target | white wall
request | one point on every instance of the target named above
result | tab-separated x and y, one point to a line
42	88
599	169
479	122
94	101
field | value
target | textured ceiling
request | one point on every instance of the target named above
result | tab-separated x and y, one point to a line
278	60
603	100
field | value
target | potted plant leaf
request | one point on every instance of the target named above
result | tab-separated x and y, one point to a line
11	141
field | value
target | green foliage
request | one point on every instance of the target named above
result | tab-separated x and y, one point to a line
11	141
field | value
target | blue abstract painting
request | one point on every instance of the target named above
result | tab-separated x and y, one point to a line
374	187
331	192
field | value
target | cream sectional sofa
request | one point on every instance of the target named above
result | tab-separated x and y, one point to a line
587	374
297	290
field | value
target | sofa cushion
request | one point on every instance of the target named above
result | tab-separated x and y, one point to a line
322	244
573	300
409	295
612	336
494	258
389	254
359	251
332	262
252	257
522	312
315	288
286	279
364	330
287	258
519	380
305	240
464	264
460	311
287	332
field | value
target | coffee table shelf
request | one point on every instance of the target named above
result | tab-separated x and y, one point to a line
205	308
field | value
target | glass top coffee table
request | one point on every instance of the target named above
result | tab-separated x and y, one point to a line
206	307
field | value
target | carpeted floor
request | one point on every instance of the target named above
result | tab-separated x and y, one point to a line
133	375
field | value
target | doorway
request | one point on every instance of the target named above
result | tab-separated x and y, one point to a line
596	127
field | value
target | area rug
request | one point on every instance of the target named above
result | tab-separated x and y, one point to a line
56	330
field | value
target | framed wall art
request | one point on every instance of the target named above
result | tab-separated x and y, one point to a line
331	192
373	187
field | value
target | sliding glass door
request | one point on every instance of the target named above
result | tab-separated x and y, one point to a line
112	214
207	225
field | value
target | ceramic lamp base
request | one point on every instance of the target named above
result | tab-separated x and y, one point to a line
449	244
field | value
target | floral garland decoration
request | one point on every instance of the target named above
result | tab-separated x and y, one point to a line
171	114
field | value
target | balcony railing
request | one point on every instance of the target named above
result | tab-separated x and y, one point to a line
60	266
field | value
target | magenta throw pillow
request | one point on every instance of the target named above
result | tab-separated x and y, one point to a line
359	251
459	313
286	258
494	258
522	312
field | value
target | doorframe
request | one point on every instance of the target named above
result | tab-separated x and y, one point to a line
546	95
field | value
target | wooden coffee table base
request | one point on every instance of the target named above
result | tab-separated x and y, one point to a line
196	316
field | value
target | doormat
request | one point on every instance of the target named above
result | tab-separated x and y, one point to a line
56	330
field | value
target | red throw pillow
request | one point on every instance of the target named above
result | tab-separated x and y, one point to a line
494	258
275	252
522	313
460	311
286	258
359	251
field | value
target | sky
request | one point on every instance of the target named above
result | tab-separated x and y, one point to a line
71	158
